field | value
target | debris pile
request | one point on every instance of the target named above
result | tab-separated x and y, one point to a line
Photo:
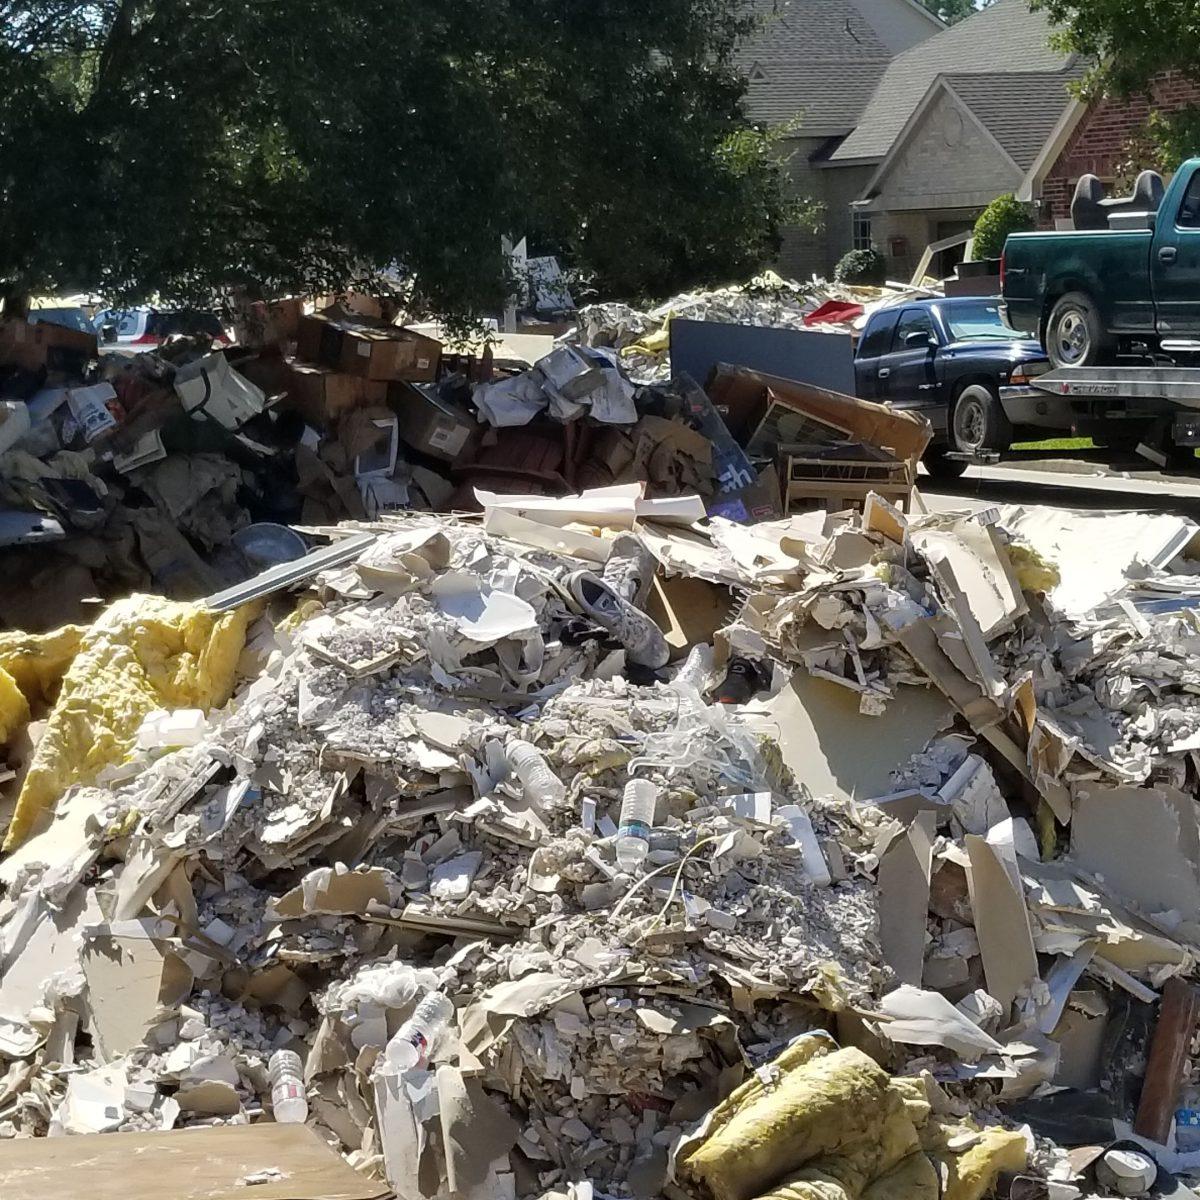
598	844
643	338
188	467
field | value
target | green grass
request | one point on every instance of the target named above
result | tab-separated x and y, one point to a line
1057	444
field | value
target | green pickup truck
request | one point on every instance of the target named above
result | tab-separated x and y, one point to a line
1126	279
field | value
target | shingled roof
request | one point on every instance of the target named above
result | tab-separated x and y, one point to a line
1019	110
817	62
1006	34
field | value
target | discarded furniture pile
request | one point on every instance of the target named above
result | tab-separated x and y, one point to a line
604	845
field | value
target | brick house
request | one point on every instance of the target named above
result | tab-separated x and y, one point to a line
1096	140
904	130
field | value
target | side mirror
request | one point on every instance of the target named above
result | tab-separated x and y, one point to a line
108	334
916	339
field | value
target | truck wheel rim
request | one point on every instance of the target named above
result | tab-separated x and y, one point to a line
969	421
1072	337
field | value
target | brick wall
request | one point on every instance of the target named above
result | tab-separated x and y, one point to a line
1101	140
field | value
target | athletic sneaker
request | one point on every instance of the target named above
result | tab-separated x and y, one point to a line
643	640
630	568
743	680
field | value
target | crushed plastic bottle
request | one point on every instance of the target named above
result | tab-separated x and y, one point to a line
691	677
637	819
414	1039
540	784
288	1101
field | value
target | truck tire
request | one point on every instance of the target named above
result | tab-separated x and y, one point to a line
1075	334
941	467
977	420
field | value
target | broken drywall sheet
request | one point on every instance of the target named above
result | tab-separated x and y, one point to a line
1069	539
903	883
981	569
39	950
129	980
1001	919
1141	843
836	750
476	1131
918	1018
327	890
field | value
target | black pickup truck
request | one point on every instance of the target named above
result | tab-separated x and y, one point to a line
955	362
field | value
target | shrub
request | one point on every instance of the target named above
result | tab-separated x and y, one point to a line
1005	215
861	266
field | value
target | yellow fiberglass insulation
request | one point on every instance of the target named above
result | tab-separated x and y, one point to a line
142	653
836	1126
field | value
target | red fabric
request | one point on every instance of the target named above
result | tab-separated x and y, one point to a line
834	312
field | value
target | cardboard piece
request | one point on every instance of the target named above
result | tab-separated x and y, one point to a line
321	395
371	349
1001	918
434	426
187	1164
45	344
903	884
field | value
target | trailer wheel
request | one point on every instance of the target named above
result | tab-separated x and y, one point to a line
941	467
1075	335
977	421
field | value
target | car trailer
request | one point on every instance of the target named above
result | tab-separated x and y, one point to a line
1154	410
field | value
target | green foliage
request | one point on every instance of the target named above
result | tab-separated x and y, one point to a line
861	266
179	147
1129	41
1005	215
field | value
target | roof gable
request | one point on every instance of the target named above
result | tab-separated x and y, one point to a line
1019	110
1006	32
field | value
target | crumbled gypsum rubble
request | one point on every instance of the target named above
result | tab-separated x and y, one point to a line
332	758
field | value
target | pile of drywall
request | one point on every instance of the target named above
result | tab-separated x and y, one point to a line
901	799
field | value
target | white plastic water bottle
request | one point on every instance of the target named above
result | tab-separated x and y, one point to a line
695	671
637	819
414	1039
288	1100
540	784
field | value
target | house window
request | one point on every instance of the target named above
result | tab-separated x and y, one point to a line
861	230
757	74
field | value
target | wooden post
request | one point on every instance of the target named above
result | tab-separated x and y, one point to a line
1164	1066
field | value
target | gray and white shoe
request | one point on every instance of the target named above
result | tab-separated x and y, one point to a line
599	601
630	568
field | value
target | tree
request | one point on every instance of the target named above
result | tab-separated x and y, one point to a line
1130	42
953	11
178	147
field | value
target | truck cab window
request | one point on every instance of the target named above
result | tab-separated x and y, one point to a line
913	320
877	338
1189	209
